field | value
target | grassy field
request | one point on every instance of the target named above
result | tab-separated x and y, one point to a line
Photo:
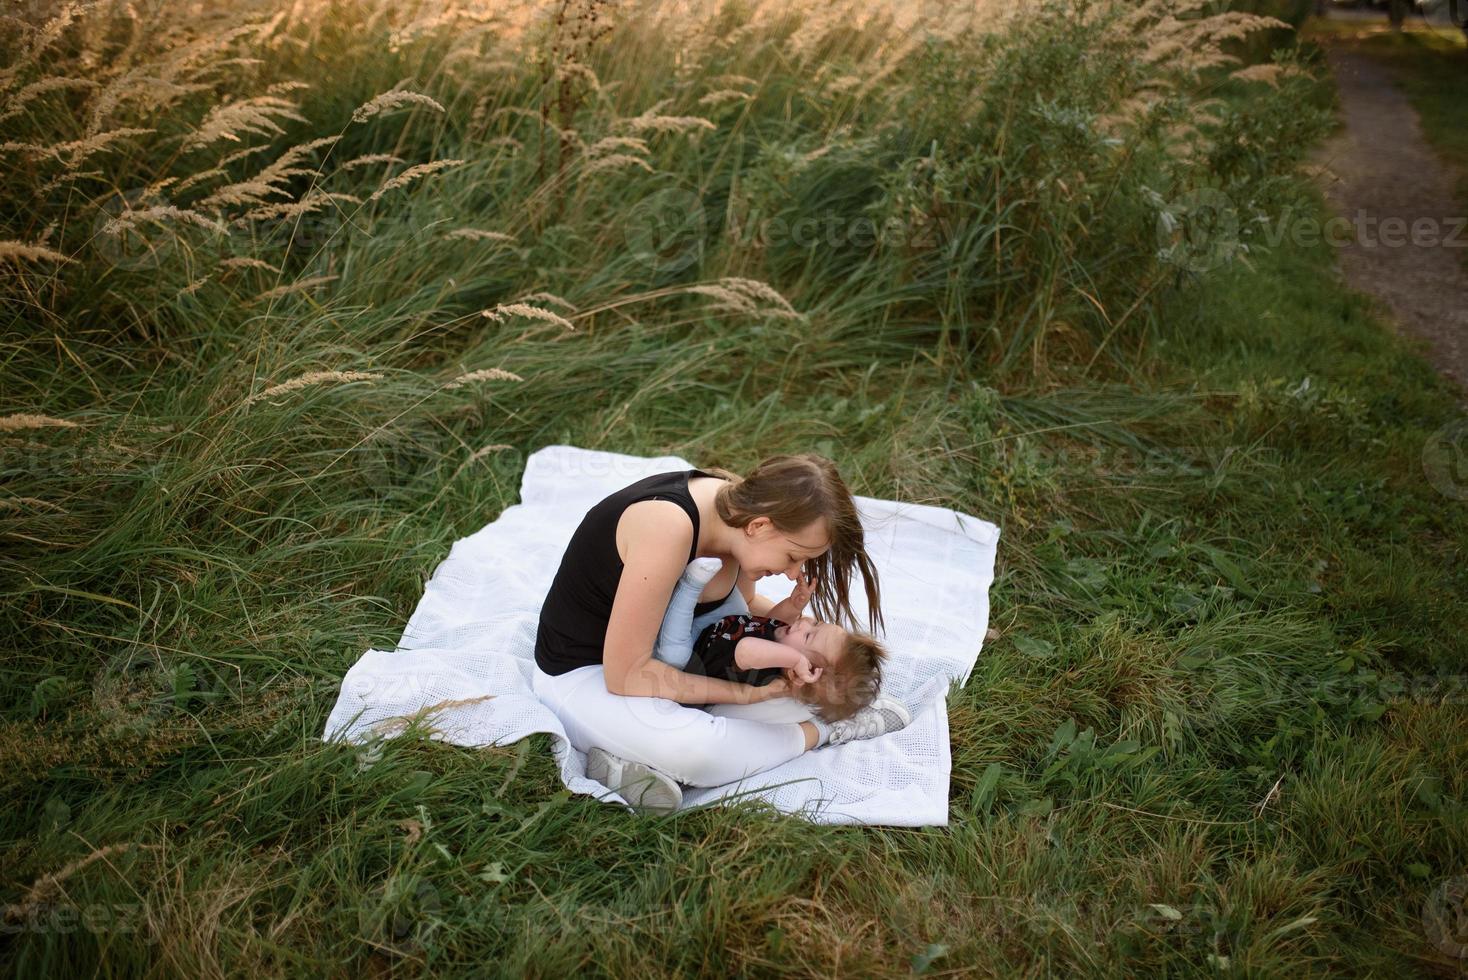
251	397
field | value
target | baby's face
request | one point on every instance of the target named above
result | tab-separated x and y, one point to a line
822	643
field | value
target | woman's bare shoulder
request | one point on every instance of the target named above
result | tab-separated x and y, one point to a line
657	526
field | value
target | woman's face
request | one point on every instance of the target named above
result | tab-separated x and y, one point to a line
768	551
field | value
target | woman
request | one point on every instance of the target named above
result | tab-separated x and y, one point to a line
593	650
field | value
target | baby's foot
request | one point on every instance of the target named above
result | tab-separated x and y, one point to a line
701	571
885	714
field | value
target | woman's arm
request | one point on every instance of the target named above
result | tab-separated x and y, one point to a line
655	679
654	560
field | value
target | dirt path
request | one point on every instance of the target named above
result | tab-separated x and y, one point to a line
1407	233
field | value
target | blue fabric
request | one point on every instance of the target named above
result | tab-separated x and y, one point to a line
680	626
732	606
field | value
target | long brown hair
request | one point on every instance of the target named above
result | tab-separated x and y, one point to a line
793	491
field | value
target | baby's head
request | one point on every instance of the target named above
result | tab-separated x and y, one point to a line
851	662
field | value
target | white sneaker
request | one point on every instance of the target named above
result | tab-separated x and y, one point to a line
885	714
647	789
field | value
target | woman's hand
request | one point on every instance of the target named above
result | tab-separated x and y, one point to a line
777	688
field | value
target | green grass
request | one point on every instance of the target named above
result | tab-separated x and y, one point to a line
1224	729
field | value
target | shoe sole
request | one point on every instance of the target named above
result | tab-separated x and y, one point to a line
640	785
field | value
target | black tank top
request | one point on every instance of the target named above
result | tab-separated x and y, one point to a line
574	616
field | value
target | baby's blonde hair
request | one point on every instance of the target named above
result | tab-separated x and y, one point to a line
852	683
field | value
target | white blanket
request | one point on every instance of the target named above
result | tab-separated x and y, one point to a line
465	658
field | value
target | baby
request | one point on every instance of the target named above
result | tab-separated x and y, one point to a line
834	671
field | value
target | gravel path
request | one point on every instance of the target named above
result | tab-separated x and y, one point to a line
1407	234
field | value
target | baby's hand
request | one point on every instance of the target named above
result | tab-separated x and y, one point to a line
805	672
805	589
790	608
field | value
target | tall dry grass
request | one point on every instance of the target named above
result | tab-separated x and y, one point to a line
178	106
290	289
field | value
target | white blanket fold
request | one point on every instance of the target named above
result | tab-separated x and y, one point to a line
467	653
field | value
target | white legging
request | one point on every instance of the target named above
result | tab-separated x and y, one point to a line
697	747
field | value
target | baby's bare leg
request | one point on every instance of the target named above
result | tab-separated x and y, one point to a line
811	735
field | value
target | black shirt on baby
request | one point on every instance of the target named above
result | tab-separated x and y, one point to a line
713	651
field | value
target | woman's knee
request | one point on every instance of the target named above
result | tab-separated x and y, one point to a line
686	743
698	753
689	744
695	760
702	754
719	754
